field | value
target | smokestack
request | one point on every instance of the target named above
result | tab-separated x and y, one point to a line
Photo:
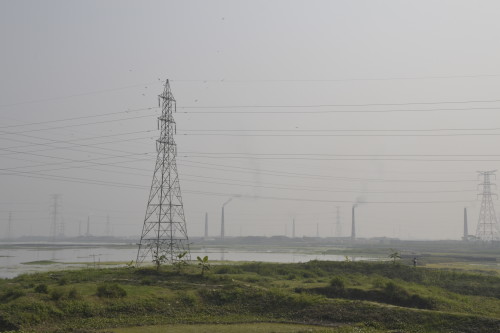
466	230
353	230
222	223
206	225
293	230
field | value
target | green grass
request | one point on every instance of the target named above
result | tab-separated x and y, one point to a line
233	328
352	296
492	269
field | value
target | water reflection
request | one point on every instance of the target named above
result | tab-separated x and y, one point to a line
12	260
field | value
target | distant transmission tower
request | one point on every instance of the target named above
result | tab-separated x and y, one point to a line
206	226
57	226
164	231
9	227
487	225
108	226
338	226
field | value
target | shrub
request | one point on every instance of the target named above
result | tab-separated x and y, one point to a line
337	283
56	294
228	270
42	289
12	294
188	298
73	294
110	290
63	281
147	281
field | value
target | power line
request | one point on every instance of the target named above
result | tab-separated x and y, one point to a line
439	77
76	125
94	92
344	130
132	154
321	200
252	184
115	184
343	159
341	135
292	106
101	91
73	140
68	160
71	179
339	155
322	190
282	173
191	175
317	111
78	118
11	150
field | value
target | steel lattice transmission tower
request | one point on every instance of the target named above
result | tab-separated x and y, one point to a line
57	225
164	231
338	226
487	224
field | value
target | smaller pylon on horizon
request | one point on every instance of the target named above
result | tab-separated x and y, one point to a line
57	225
353	226
108	226
466	227
9	227
222	222
338	226
487	225
87	234
206	225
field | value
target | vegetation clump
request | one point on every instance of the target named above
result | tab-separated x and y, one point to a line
42	289
110	290
56	294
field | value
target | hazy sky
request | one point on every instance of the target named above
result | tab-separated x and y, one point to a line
295	107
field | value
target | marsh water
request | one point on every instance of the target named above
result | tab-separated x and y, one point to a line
16	259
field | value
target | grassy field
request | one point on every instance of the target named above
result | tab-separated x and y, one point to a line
254	297
241	328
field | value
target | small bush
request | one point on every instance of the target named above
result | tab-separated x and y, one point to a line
188	298
308	275
63	281
337	283
42	289
73	294
56	294
228	270
110	290
147	281
12	294
378	282
252	279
